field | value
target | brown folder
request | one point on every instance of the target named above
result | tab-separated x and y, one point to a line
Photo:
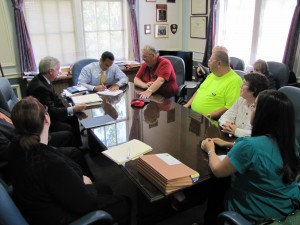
166	173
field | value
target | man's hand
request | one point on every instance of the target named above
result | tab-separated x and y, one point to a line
113	87
87	180
79	107
149	84
145	94
99	88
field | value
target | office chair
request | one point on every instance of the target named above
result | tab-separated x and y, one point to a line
237	64
77	67
280	72
179	68
10	214
8	97
241	73
233	218
293	93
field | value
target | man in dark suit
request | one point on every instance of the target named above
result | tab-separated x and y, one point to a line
40	87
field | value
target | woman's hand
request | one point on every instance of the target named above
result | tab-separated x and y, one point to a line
208	145
86	180
229	127
222	143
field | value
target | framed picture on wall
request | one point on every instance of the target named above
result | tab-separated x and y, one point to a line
199	7
161	30
198	26
161	13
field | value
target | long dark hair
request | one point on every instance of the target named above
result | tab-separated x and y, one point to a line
28	118
275	117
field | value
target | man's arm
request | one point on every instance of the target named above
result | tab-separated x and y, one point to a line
153	88
120	76
188	104
216	114
84	79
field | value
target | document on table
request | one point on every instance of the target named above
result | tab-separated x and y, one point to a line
86	99
110	93
125	152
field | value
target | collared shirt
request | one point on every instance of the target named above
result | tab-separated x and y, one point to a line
239	114
91	74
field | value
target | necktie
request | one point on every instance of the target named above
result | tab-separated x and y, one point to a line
103	78
6	118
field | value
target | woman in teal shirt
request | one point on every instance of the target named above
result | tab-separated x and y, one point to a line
263	167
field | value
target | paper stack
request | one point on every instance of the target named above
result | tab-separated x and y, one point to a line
91	100
166	173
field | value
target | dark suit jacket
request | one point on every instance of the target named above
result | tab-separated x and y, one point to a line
7	132
40	89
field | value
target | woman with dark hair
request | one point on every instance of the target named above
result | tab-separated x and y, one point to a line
49	188
261	66
236	120
263	167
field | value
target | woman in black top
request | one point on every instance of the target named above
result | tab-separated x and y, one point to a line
49	188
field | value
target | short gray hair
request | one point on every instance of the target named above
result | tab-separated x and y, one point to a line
149	49
223	57
47	63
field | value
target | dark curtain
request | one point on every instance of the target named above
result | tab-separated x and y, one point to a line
211	30
134	30
292	40
25	48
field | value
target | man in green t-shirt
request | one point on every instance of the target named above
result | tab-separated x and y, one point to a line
220	89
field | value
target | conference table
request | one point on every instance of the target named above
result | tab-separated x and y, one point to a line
163	124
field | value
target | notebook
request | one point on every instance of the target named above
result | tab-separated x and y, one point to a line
89	99
97	121
125	152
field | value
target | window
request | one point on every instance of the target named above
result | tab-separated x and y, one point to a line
254	29
76	29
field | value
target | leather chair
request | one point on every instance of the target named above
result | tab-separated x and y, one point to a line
10	214
8	97
280	72
241	73
179	68
77	67
293	94
237	64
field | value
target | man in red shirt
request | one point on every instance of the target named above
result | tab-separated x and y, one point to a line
156	75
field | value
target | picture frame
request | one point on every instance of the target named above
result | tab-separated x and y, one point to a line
198	7
161	12
147	28
161	30
198	27
150	0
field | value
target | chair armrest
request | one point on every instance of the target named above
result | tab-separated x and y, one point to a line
91	217
180	91
231	218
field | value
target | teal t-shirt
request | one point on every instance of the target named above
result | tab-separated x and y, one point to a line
257	191
217	92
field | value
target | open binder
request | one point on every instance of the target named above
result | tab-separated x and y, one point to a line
88	99
166	172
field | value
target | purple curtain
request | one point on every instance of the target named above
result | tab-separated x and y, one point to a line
134	30
211	31
25	49
292	40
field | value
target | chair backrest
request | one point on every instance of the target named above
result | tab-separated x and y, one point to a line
77	67
293	94
280	72
237	64
240	73
9	213
179	68
8	97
